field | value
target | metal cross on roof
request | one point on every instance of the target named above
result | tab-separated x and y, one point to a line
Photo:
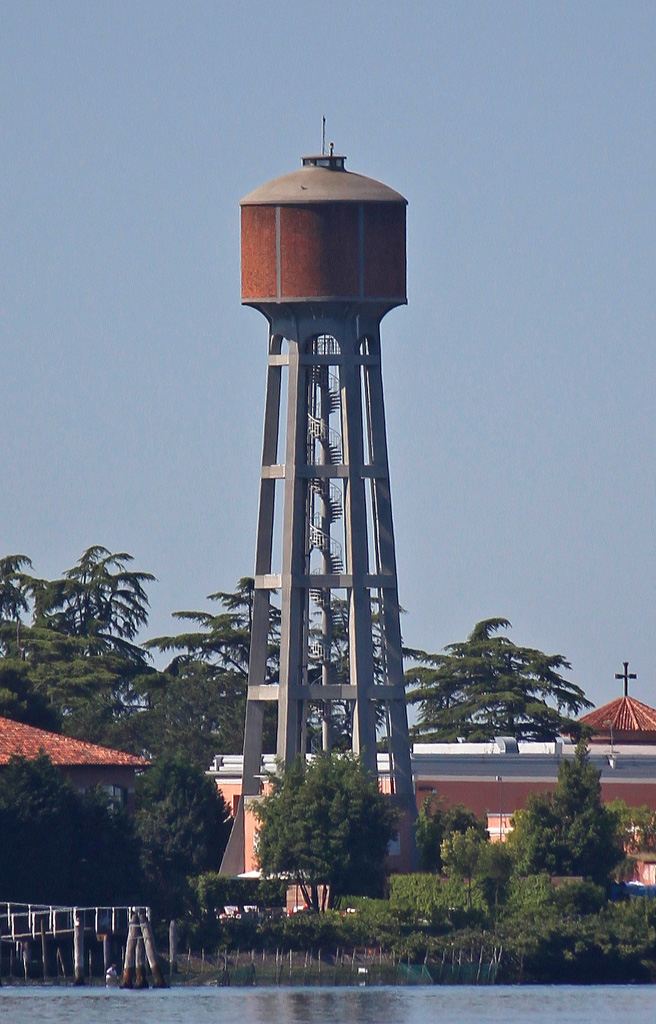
626	675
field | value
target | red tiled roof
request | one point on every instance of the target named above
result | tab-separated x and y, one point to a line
27	741
626	715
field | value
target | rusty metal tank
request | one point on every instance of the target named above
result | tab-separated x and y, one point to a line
323	233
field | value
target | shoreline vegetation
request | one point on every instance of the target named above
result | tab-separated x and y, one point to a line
565	934
543	934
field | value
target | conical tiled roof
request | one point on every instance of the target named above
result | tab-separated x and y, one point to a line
631	720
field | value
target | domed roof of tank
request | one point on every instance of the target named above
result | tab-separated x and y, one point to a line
322	179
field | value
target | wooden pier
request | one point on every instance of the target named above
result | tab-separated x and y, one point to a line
50	941
20	922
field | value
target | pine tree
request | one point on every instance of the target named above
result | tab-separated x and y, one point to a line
487	686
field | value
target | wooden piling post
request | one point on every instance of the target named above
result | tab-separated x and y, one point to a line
78	947
173	947
107	953
140	964
127	981
151	952
44	957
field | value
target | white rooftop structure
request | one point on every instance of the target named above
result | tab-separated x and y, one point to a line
523	761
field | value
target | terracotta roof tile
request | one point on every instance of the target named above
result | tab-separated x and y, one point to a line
27	741
626	715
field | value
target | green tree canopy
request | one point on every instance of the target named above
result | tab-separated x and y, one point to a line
21	701
183	825
61	846
638	825
73	664
569	831
326	823
207	677
435	823
70	661
494	867
487	686
461	854
222	640
14	590
99	599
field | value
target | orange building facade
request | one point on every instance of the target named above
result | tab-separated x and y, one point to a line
496	778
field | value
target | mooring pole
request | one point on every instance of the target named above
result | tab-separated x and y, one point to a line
78	947
127	981
44	958
173	947
151	952
140	964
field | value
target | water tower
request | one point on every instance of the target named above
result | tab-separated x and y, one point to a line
323	258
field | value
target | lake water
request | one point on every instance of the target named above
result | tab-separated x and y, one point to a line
439	1004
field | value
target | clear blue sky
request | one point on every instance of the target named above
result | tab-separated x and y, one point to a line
519	380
